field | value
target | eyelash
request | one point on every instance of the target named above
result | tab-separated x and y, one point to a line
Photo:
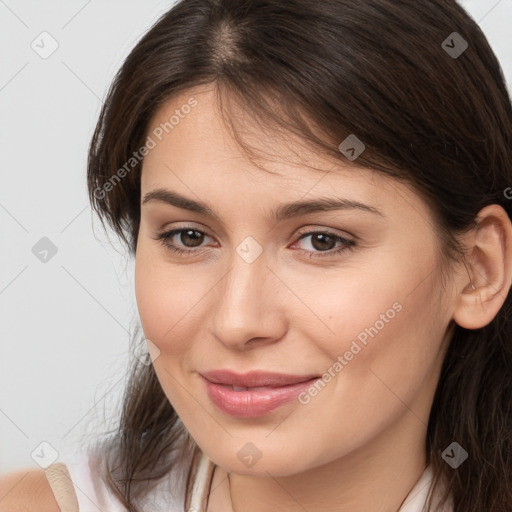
349	245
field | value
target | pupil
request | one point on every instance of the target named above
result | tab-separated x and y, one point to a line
196	239
324	238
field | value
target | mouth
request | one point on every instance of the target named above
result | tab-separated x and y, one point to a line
238	388
255	401
255	388
255	379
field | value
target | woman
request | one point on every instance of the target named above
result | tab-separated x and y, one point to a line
315	194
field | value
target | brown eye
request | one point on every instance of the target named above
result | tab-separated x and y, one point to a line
323	244
187	240
191	235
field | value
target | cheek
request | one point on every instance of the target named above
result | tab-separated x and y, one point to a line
167	300
346	308
378	323
378	367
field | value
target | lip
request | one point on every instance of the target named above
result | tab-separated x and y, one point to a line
255	378
279	389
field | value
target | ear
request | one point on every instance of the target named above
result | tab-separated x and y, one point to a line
483	292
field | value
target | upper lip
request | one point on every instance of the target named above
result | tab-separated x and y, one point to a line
254	378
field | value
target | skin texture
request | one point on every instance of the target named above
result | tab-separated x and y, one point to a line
27	490
359	444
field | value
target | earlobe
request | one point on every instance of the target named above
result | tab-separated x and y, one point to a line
484	291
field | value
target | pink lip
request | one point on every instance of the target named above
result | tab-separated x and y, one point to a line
254	403
255	378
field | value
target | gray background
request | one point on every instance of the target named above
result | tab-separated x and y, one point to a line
64	323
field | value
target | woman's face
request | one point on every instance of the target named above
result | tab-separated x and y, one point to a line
365	313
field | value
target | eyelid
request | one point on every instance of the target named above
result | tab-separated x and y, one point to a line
323	229
184	226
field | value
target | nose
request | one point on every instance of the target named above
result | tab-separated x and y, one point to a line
249	305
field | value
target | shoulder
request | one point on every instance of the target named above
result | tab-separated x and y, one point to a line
26	490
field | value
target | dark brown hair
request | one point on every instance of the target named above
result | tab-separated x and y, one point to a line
378	69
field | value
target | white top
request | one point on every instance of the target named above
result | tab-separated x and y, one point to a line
93	495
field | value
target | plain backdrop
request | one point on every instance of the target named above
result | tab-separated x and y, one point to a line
66	314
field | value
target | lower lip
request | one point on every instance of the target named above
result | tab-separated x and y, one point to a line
251	404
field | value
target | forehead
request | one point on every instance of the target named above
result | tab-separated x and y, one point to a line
194	149
189	128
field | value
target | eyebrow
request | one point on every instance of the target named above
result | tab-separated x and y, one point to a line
285	211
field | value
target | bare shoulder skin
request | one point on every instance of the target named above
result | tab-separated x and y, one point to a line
26	490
